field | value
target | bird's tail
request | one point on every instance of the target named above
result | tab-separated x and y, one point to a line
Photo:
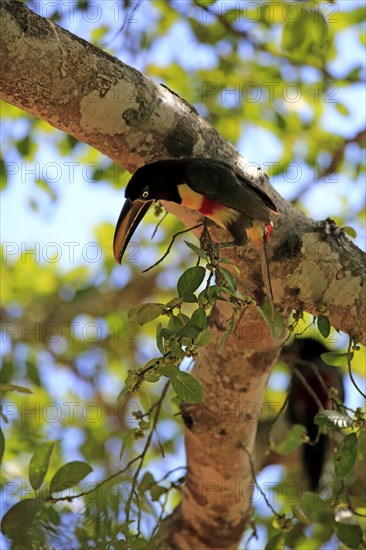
260	240
314	460
267	279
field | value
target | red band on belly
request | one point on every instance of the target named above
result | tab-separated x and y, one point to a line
209	207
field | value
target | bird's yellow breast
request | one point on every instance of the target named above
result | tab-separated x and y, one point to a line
190	198
219	213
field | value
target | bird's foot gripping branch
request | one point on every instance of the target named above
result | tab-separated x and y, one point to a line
183	328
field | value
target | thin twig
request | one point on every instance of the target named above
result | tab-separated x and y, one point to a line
84	493
307	387
160	443
350	506
142	456
332	167
316	372
272	424
350	369
171	472
158	225
170	246
257	484
156	527
312	393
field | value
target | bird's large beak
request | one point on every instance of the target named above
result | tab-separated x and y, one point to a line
129	218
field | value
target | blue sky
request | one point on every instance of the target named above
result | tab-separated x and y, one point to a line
82	205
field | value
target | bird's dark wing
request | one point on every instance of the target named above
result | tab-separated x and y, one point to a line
219	182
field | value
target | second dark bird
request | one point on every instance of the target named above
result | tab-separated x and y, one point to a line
304	356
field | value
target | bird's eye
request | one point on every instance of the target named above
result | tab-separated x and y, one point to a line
145	194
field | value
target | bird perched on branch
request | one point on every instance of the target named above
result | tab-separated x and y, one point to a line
211	187
307	392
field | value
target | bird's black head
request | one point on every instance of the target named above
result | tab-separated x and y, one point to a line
156	181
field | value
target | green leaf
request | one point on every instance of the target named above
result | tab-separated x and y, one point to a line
345	456
199	318
69	475
342	109
197	251
205	3
33	373
167	334
138	544
317	27
362	444
20	517
159	339
276	543
229	262
146	482
209	34
190	298
133	310
229	278
350	534
172	304
38	465
203	338
316	508
332	419
144	398
24	145
49	514
152	376
350	231
14	387
227	332
176	350
122	393
169	370
189	331
275	329
175	324
156	491
336	359
2	445
294	32
186	341
184	318
294	438
3	175
187	388
213	292
130	383
323	326
149	312
189	281
300	515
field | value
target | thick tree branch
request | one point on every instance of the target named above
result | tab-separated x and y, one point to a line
93	96
80	89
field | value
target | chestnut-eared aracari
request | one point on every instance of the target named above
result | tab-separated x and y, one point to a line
304	356
211	187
